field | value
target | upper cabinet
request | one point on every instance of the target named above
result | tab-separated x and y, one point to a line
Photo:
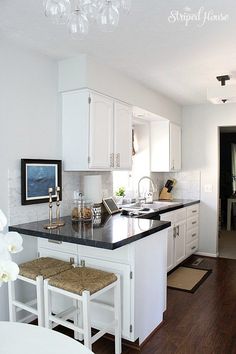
165	146
96	132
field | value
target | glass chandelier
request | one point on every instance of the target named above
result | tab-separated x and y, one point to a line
79	14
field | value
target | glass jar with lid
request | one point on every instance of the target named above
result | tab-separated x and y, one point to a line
77	207
87	210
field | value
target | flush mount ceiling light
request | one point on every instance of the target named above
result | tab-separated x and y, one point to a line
79	14
222	94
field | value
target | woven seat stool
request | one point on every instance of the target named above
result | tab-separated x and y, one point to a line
84	285
34	272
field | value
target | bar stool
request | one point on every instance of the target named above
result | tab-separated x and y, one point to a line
84	285
34	272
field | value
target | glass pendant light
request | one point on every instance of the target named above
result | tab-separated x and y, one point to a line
91	9
57	10
108	18
78	25
126	6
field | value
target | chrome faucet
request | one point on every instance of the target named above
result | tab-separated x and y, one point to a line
150	194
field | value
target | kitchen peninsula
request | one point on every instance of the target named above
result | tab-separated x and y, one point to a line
135	248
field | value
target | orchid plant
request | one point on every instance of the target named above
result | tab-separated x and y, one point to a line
10	243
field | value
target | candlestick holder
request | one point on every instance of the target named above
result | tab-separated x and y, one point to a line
58	222
51	225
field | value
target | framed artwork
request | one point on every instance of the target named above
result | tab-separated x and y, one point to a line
36	177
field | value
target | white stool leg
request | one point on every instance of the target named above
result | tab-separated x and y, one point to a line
117	310
47	305
86	319
11	298
78	320
40	300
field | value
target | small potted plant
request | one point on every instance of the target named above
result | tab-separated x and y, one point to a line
120	193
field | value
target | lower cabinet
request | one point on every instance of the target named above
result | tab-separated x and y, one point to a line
142	268
124	270
179	242
183	234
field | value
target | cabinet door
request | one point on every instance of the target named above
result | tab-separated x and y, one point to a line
75	127
160	146
122	136
107	298
101	132
170	249
175	147
180	242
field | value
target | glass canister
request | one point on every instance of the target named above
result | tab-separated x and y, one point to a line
77	207
87	211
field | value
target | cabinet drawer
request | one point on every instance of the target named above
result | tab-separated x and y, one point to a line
168	217
67	257
180	214
192	223
192	235
192	210
57	245
192	247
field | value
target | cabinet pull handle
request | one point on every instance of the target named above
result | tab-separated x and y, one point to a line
118	160
193	235
178	231
194	211
111	160
56	242
194	222
174	232
193	248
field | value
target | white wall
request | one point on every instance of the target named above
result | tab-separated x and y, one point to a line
29	123
201	152
111	82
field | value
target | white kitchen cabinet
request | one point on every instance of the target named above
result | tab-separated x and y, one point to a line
176	251
124	270
192	234
100	132
180	232
96	132
170	250
183	234
142	267
122	136
165	146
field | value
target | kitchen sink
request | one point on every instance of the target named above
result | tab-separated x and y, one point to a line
145	208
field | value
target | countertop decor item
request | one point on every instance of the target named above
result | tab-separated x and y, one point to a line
36	177
79	14
166	190
59	222
51	225
10	243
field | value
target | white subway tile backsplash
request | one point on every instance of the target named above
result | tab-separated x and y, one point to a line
187	186
71	181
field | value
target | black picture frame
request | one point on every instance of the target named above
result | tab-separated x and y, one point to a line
37	175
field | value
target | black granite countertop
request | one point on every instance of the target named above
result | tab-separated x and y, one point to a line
113	231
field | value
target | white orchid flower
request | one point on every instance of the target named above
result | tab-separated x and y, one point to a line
8	271
3	220
13	241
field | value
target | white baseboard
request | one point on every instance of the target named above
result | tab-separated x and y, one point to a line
214	255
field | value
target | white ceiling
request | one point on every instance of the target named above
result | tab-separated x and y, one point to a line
177	60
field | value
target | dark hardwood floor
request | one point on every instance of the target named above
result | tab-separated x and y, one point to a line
199	323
